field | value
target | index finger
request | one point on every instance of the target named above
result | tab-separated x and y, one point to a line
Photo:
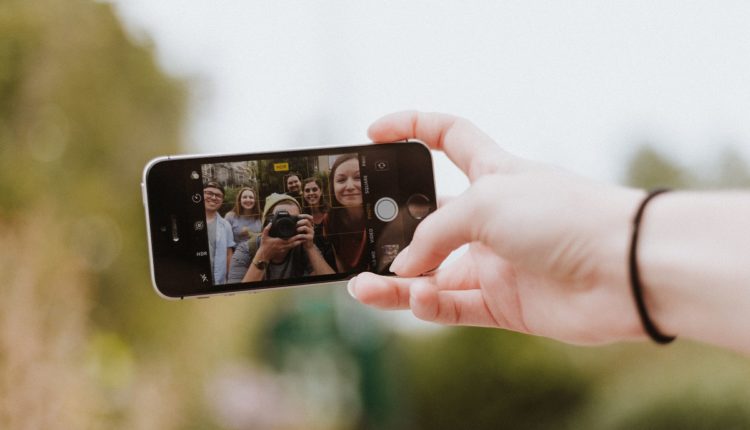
266	230
474	152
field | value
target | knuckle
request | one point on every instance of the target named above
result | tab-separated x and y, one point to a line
483	165
456	315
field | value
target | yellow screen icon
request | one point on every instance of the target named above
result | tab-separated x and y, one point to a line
280	167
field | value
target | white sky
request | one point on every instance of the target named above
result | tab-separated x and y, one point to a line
576	83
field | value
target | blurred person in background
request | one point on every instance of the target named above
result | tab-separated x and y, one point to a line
344	225
245	215
220	238
267	257
548	251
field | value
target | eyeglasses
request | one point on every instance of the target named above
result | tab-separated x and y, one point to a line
213	195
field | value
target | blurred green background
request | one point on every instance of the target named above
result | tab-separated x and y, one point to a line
85	343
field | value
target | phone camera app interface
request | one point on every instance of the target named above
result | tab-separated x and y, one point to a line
287	218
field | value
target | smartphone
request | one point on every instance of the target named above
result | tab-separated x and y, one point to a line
223	224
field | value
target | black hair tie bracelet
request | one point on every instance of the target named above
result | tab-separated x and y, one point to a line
635	279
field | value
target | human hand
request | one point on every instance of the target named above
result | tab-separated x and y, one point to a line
547	249
305	231
272	248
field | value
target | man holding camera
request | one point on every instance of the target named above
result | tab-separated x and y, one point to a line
284	249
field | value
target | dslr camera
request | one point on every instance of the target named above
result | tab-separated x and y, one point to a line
283	225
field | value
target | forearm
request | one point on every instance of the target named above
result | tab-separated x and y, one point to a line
230	251
694	262
253	273
318	263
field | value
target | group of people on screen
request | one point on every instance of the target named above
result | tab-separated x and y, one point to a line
330	236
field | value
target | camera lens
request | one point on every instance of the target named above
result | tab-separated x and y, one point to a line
283	225
286	227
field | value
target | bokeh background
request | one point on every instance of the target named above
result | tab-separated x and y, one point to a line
642	93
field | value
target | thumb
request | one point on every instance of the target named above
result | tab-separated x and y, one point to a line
438	235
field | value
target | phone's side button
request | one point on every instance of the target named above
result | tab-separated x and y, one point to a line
204	297
143	194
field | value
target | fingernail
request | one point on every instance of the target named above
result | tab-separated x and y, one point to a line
400	260
350	287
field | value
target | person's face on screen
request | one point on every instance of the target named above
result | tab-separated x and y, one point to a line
292	184
346	183
311	192
212	198
247	200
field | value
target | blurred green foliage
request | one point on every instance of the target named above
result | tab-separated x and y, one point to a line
687	413
650	168
83	109
485	379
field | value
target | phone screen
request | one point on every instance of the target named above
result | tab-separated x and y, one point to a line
235	225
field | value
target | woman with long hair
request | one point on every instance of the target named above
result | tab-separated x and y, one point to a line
344	224
317	206
245	216
315	203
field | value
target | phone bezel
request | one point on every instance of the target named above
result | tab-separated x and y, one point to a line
255	155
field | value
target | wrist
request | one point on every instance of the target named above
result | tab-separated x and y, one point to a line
613	248
636	285
313	251
665	267
261	255
694	265
260	262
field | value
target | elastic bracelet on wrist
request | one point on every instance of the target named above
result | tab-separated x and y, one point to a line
635	279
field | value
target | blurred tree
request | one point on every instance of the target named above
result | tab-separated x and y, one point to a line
486	379
690	412
82	108
648	168
732	170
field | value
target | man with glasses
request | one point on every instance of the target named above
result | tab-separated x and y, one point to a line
220	239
